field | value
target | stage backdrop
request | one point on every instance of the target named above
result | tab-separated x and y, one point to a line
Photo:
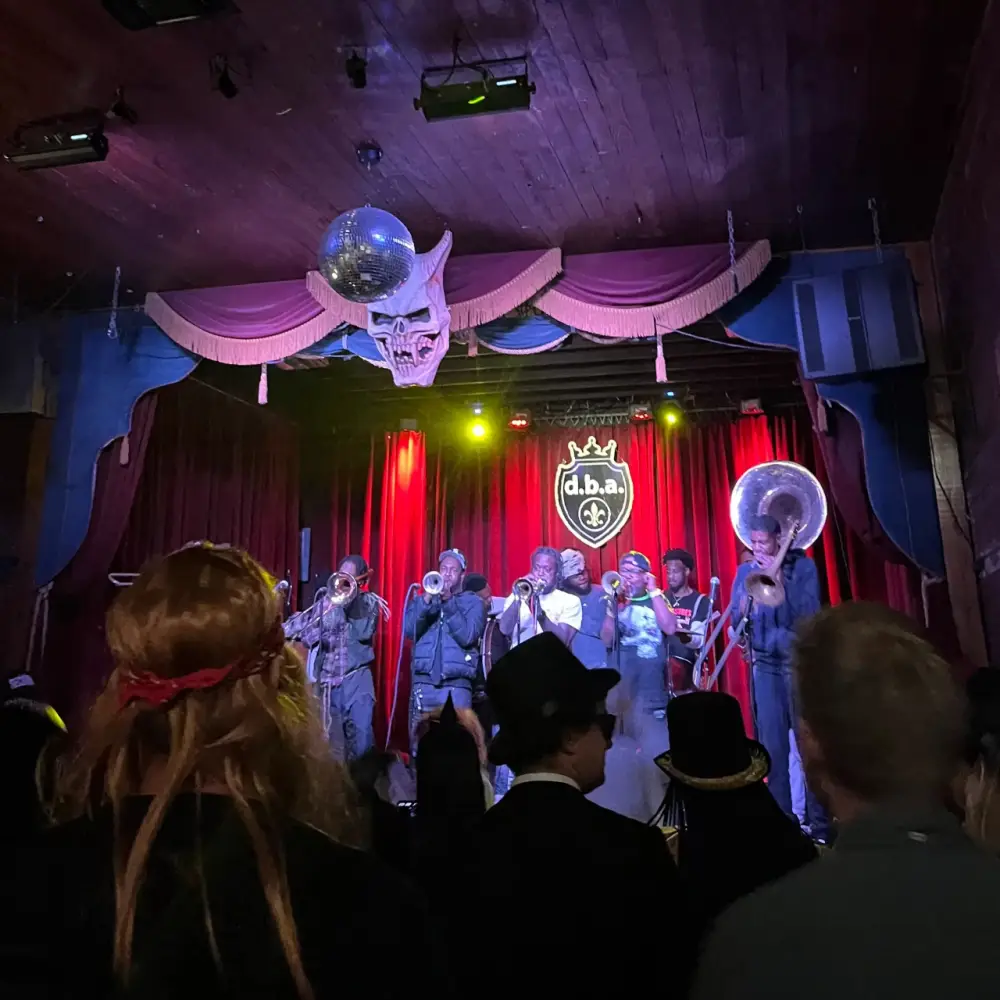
413	501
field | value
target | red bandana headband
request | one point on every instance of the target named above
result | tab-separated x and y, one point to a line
157	691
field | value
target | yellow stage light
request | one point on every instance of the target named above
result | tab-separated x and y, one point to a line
477	430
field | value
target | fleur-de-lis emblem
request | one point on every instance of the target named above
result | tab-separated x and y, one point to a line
593	515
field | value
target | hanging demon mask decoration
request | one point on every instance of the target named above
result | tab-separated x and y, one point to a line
411	329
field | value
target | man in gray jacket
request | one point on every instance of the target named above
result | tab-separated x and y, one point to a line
446	630
905	905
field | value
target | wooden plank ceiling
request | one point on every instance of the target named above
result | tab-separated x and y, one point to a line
652	118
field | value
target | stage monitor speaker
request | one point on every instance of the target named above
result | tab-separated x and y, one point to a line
305	552
860	320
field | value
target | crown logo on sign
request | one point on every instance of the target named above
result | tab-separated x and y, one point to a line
592	450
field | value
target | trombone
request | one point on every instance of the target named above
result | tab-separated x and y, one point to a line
341	589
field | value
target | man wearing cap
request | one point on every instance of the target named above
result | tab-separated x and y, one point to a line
446	630
587	646
639	649
545	862
772	632
691	610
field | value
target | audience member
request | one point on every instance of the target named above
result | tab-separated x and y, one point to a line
201	850
733	837
27	726
980	792
905	905
552	873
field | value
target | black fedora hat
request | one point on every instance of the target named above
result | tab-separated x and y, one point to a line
709	748
540	687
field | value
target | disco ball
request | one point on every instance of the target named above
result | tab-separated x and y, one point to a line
366	255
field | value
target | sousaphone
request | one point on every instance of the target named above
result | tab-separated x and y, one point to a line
790	494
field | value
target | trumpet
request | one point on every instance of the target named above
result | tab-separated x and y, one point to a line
433	583
611	583
525	587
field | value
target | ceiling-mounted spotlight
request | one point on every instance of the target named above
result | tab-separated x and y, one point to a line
119	109
520	421
640	413
59	142
357	71
222	79
369	153
136	15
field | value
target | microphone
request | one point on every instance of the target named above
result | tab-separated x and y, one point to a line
713	593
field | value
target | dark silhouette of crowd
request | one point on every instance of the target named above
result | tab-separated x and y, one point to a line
197	839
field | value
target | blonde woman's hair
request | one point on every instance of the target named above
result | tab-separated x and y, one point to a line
255	738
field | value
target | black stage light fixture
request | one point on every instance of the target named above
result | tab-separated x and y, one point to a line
357	71
467	90
137	15
58	142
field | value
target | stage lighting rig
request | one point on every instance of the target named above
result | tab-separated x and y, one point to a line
60	141
640	413
465	90
137	15
520	421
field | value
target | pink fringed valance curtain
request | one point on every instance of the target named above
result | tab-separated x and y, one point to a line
643	293
633	293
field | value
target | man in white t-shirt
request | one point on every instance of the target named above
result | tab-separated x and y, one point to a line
550	610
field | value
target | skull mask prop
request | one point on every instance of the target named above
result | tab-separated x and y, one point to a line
411	328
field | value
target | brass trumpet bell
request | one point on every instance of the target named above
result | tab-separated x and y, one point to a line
432	583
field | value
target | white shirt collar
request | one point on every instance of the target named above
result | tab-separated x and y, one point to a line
551	776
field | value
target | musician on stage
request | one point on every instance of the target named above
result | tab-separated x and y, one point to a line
446	630
548	610
339	641
638	649
692	611
588	646
771	635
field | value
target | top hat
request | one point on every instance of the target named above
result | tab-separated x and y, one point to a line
539	687
709	748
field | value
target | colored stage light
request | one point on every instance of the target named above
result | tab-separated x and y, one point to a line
639	413
478	430
519	421
672	415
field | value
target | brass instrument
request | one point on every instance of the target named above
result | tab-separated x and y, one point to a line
611	583
525	588
793	496
341	589
433	583
767	586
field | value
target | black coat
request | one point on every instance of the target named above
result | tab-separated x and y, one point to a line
351	913
578	901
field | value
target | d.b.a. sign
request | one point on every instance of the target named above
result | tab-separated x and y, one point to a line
593	492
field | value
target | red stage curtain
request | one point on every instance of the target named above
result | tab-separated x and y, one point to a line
217	469
498	507
404	521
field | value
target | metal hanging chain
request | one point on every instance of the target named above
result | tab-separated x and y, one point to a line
873	208
732	249
802	228
113	322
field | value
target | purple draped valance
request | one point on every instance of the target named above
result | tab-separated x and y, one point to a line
242	324
478	288
642	293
